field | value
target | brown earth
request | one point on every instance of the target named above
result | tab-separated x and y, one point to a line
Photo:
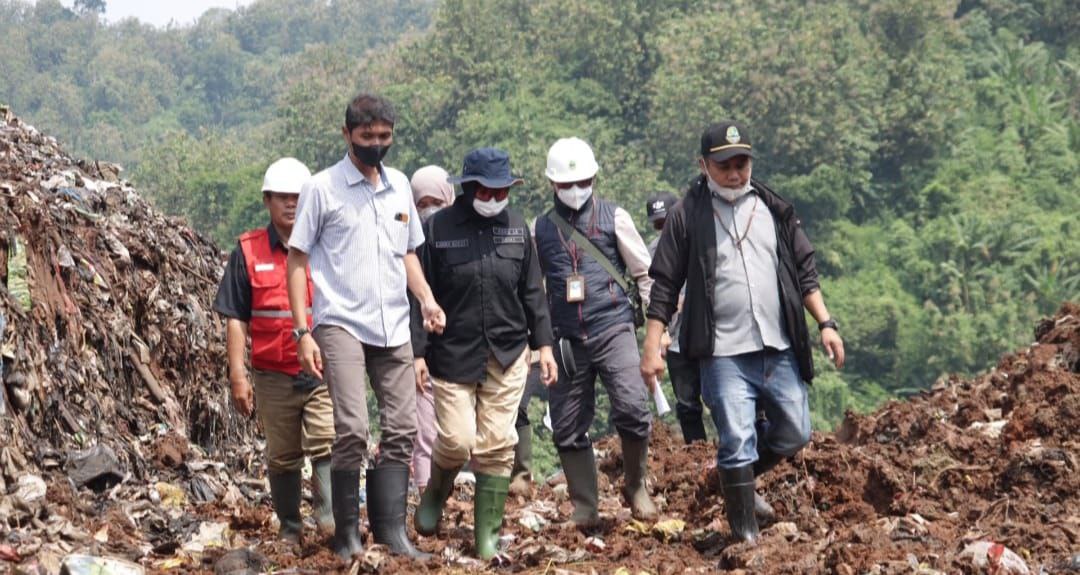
117	348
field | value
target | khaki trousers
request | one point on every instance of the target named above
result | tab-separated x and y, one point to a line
478	419
390	370
296	423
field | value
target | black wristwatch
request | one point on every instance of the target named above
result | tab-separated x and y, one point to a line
828	323
298	334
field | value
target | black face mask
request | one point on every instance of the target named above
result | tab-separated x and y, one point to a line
370	155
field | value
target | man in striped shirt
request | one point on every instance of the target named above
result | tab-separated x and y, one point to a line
357	226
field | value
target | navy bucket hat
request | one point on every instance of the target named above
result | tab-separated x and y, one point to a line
488	166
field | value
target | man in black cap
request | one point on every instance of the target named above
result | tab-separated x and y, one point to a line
749	271
480	261
685	377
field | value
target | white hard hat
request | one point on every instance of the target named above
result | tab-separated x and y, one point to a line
570	160
285	176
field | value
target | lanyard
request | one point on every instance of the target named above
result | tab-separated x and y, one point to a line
746	232
569	245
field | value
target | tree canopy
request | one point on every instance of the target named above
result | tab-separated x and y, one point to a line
930	147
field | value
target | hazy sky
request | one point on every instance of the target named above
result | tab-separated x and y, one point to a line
161	12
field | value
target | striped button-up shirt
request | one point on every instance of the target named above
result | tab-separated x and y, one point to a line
357	235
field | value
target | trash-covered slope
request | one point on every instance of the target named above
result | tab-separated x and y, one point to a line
109	344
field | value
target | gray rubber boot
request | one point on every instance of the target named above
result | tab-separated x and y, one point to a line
739	502
285	493
321	495
521	476
579	466
635	469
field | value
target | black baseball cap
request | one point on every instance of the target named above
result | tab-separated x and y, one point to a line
724	140
659	205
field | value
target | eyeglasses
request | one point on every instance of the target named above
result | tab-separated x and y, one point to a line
485	194
579	183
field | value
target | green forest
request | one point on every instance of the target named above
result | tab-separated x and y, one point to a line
932	147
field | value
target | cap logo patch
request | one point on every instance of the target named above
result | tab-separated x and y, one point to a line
658	205
573	164
733	136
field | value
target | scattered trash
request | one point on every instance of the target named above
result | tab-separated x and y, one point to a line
241	562
8	553
90	565
170	495
995	557
210	535
595	544
30	488
96	468
669	529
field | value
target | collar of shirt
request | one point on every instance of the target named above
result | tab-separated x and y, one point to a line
275	239
353	176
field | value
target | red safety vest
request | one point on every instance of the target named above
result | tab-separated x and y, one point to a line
272	344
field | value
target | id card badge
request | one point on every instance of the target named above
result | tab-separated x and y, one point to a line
575	289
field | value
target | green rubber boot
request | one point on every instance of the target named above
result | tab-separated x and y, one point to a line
488	506
438	490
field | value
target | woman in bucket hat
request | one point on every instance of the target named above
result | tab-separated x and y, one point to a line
480	261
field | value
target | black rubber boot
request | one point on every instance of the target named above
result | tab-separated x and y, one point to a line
739	502
438	490
521	476
345	488
693	429
285	493
321	498
579	466
767	459
387	490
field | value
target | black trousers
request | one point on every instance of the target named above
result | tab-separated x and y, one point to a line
686	381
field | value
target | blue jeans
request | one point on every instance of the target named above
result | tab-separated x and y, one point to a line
735	387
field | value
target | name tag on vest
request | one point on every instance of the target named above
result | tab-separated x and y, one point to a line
464	243
264	267
508	231
508	239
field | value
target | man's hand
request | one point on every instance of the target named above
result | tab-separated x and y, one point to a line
243	397
665	343
420	366
834	346
434	317
310	355
652	366
549	370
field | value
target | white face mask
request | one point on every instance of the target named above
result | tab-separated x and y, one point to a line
574	197
490	208
426	213
728	194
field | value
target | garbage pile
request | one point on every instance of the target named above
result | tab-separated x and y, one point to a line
119	453
112	360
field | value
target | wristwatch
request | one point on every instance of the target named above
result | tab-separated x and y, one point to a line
828	323
298	334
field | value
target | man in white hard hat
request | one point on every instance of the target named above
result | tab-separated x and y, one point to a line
596	266
294	409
